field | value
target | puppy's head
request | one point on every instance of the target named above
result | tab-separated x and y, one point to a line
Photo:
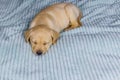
41	38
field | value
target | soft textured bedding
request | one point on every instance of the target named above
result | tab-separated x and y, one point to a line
91	52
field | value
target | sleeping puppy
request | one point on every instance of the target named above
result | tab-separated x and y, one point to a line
45	28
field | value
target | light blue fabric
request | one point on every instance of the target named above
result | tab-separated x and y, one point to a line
91	52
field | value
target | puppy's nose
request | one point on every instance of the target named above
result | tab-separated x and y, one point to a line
39	52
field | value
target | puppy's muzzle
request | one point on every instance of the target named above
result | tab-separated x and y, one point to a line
39	52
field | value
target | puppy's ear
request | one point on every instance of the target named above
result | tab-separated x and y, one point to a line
27	35
55	35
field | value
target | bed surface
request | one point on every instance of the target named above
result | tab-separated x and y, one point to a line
91	52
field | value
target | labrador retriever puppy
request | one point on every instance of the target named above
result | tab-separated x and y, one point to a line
45	28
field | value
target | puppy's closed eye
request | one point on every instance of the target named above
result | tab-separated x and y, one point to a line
35	42
45	43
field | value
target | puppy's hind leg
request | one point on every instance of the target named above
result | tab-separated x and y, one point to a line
73	25
74	16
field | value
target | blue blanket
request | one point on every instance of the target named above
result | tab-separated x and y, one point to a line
91	52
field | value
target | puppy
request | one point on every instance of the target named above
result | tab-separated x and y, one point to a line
45	28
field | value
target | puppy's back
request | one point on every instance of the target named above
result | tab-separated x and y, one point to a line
56	16
56	11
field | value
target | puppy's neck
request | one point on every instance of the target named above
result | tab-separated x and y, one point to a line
43	26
